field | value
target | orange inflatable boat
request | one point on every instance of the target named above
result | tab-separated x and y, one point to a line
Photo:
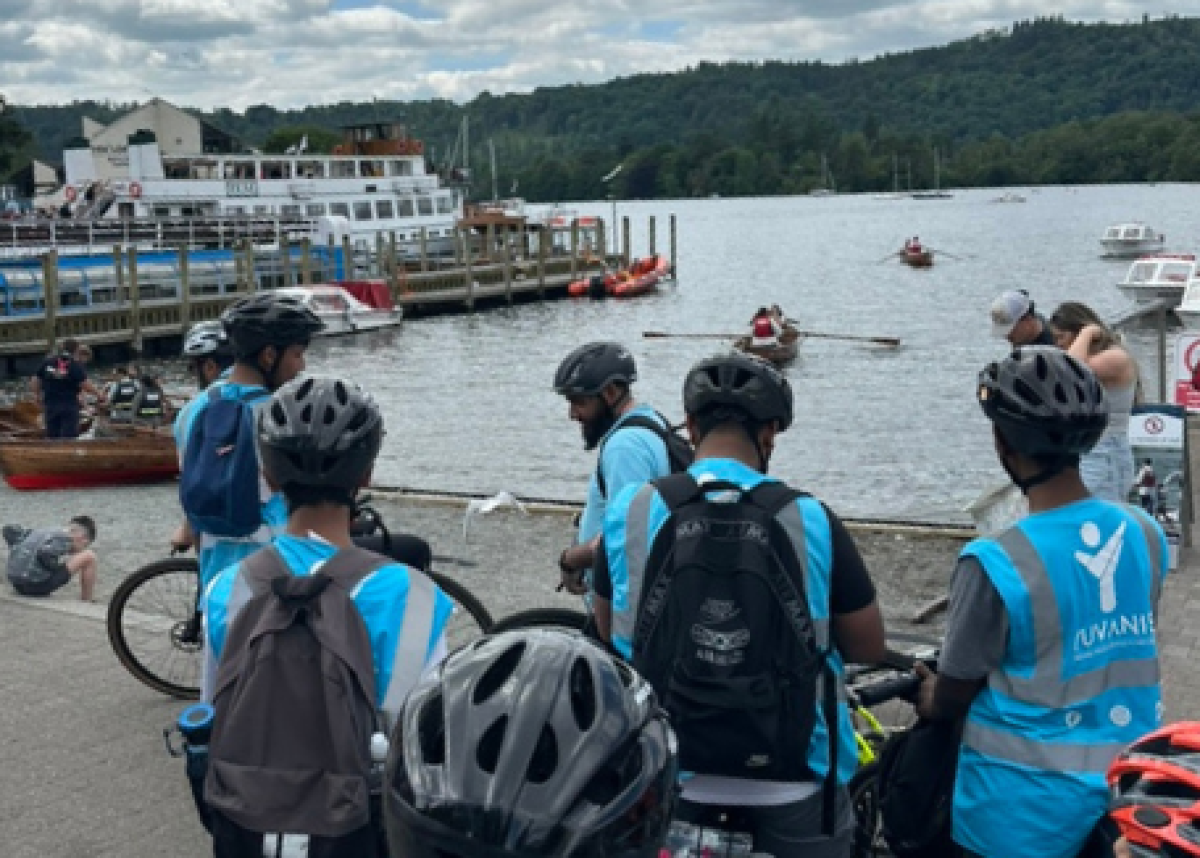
641	277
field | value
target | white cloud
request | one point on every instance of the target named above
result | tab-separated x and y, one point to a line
210	53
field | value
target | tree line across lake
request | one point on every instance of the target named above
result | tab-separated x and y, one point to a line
1045	102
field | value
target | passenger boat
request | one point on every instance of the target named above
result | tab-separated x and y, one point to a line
1189	307
1163	277
786	351
917	258
1129	240
640	278
342	312
33	464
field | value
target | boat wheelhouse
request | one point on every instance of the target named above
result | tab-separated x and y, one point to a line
1163	277
1130	240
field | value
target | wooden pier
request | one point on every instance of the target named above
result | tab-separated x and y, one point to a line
140	311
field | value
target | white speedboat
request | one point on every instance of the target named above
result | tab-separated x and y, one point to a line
341	312
1130	240
1163	277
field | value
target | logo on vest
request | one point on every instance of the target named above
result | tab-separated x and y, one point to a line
1103	564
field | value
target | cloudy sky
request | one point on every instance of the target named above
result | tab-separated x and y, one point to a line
234	53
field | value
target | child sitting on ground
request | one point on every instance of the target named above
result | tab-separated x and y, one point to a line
42	561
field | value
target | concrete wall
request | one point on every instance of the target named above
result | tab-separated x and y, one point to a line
178	133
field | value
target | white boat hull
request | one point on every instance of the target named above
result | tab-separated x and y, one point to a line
1118	249
1148	293
357	323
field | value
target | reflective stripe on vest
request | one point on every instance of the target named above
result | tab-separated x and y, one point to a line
1041	755
416	635
637	552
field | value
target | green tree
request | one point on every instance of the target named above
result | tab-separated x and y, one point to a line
16	142
319	140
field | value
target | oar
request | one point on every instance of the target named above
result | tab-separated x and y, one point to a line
891	255
947	253
892	342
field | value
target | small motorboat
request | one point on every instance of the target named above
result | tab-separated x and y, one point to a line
1130	240
1162	277
342	312
34	463
640	278
922	258
780	354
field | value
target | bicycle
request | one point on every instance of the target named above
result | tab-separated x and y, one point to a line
154	620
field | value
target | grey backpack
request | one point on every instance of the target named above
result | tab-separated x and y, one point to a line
35	560
295	701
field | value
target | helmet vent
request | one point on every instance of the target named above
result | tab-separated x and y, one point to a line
623	768
498	673
544	762
431	731
343	396
306	388
487	753
1060	393
1023	389
583	694
278	414
329	415
306	414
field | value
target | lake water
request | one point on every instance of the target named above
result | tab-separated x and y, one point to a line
878	432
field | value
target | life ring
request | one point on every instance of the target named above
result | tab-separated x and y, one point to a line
135	189
70	194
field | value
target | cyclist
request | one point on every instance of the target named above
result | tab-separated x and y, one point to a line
208	350
268	334
1156	794
1050	651
531	742
736	407
318	439
597	380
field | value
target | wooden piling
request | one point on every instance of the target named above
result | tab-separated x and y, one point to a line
118	257
541	262
575	249
50	298
379	255
306	261
626	259
185	290
508	278
424	250
135	302
468	274
672	244
251	269
653	238
347	259
285	261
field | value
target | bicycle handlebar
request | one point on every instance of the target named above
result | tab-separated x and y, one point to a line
889	689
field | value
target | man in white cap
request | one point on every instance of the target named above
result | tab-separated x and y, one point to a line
1014	319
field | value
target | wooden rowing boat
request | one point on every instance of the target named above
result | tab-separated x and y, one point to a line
24	418
919	259
32	464
784	352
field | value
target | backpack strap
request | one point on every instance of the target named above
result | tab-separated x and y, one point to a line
348	568
637	421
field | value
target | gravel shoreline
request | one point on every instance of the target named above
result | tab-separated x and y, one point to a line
507	559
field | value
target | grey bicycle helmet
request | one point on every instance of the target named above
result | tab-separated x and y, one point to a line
268	319
590	368
739	381
206	339
531	743
320	432
1044	402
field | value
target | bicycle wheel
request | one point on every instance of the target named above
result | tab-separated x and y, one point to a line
154	627
471	619
864	800
539	618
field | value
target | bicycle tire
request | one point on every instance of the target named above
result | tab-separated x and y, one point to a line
480	622
180	652
540	618
864	802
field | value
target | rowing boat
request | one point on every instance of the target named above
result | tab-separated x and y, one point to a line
33	464
781	353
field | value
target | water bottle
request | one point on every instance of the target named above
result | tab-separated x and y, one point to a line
379	753
195	725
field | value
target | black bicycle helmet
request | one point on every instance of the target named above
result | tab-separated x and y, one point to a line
739	381
1044	402
531	743
320	432
587	370
207	339
268	319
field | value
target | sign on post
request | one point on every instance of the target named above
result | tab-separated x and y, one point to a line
1157	436
1185	375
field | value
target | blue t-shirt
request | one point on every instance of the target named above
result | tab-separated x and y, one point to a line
383	600
218	552
630	456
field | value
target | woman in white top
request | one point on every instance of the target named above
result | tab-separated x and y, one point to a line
1108	469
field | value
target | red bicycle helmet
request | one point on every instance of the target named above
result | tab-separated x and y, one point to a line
1156	792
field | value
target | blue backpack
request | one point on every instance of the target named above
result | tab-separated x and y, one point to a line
219	487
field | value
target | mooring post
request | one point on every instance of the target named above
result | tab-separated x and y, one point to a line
672	231
1162	352
541	262
347	259
135	302
508	294
467	272
379	255
574	249
185	290
50	297
285	261
306	261
251	266
118	256
625	245
424	250
653	238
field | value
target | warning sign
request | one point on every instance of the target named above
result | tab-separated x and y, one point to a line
1187	371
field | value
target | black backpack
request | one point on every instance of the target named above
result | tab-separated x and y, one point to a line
679	452
295	701
917	770
725	636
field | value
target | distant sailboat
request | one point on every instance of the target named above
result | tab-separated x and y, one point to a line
937	193
827	187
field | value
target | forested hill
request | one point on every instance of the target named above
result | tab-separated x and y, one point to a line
981	101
